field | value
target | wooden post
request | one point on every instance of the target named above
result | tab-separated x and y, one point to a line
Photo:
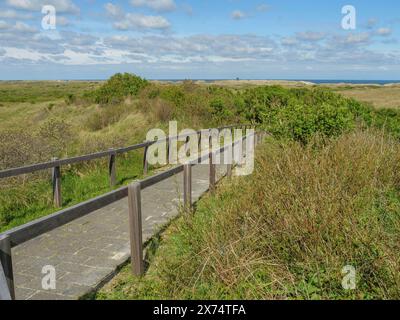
229	166
187	145
6	264
212	172
56	180
145	162
135	228
168	148
199	142
112	169
187	187
229	170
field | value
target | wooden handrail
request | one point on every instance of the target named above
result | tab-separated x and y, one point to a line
37	227
12	172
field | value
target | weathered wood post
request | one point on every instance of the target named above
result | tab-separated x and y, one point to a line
212	171
229	170
187	187
212	167
168	149
187	149
199	142
112	168
230	149
135	228
229	166
145	162
56	181
6	267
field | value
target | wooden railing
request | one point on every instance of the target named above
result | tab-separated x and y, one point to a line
24	233
55	164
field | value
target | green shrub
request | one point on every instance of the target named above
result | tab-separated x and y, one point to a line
70	99
219	109
299	113
118	87
388	119
173	94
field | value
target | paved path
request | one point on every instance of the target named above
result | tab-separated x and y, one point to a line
87	251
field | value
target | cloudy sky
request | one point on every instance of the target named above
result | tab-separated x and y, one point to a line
200	39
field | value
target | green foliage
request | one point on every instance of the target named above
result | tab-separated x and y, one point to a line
388	119
300	113
173	94
118	87
219	109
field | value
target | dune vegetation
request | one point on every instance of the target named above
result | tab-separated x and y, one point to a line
325	192
288	230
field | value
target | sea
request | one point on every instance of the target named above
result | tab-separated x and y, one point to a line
316	81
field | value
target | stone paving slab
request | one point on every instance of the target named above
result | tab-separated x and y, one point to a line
86	252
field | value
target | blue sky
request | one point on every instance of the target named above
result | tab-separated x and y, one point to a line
203	39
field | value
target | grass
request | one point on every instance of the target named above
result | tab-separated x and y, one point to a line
42	91
378	96
307	212
32	200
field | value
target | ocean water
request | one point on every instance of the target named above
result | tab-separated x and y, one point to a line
317	81
380	82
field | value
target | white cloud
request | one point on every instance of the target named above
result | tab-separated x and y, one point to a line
113	10
238	15
158	5
371	23
132	21
18	27
62	21
63	6
23	27
263	7
139	21
357	38
4	25
24	54
13	14
289	41
384	32
310	36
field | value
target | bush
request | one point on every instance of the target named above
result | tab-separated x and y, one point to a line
219	109
20	147
298	113
118	87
